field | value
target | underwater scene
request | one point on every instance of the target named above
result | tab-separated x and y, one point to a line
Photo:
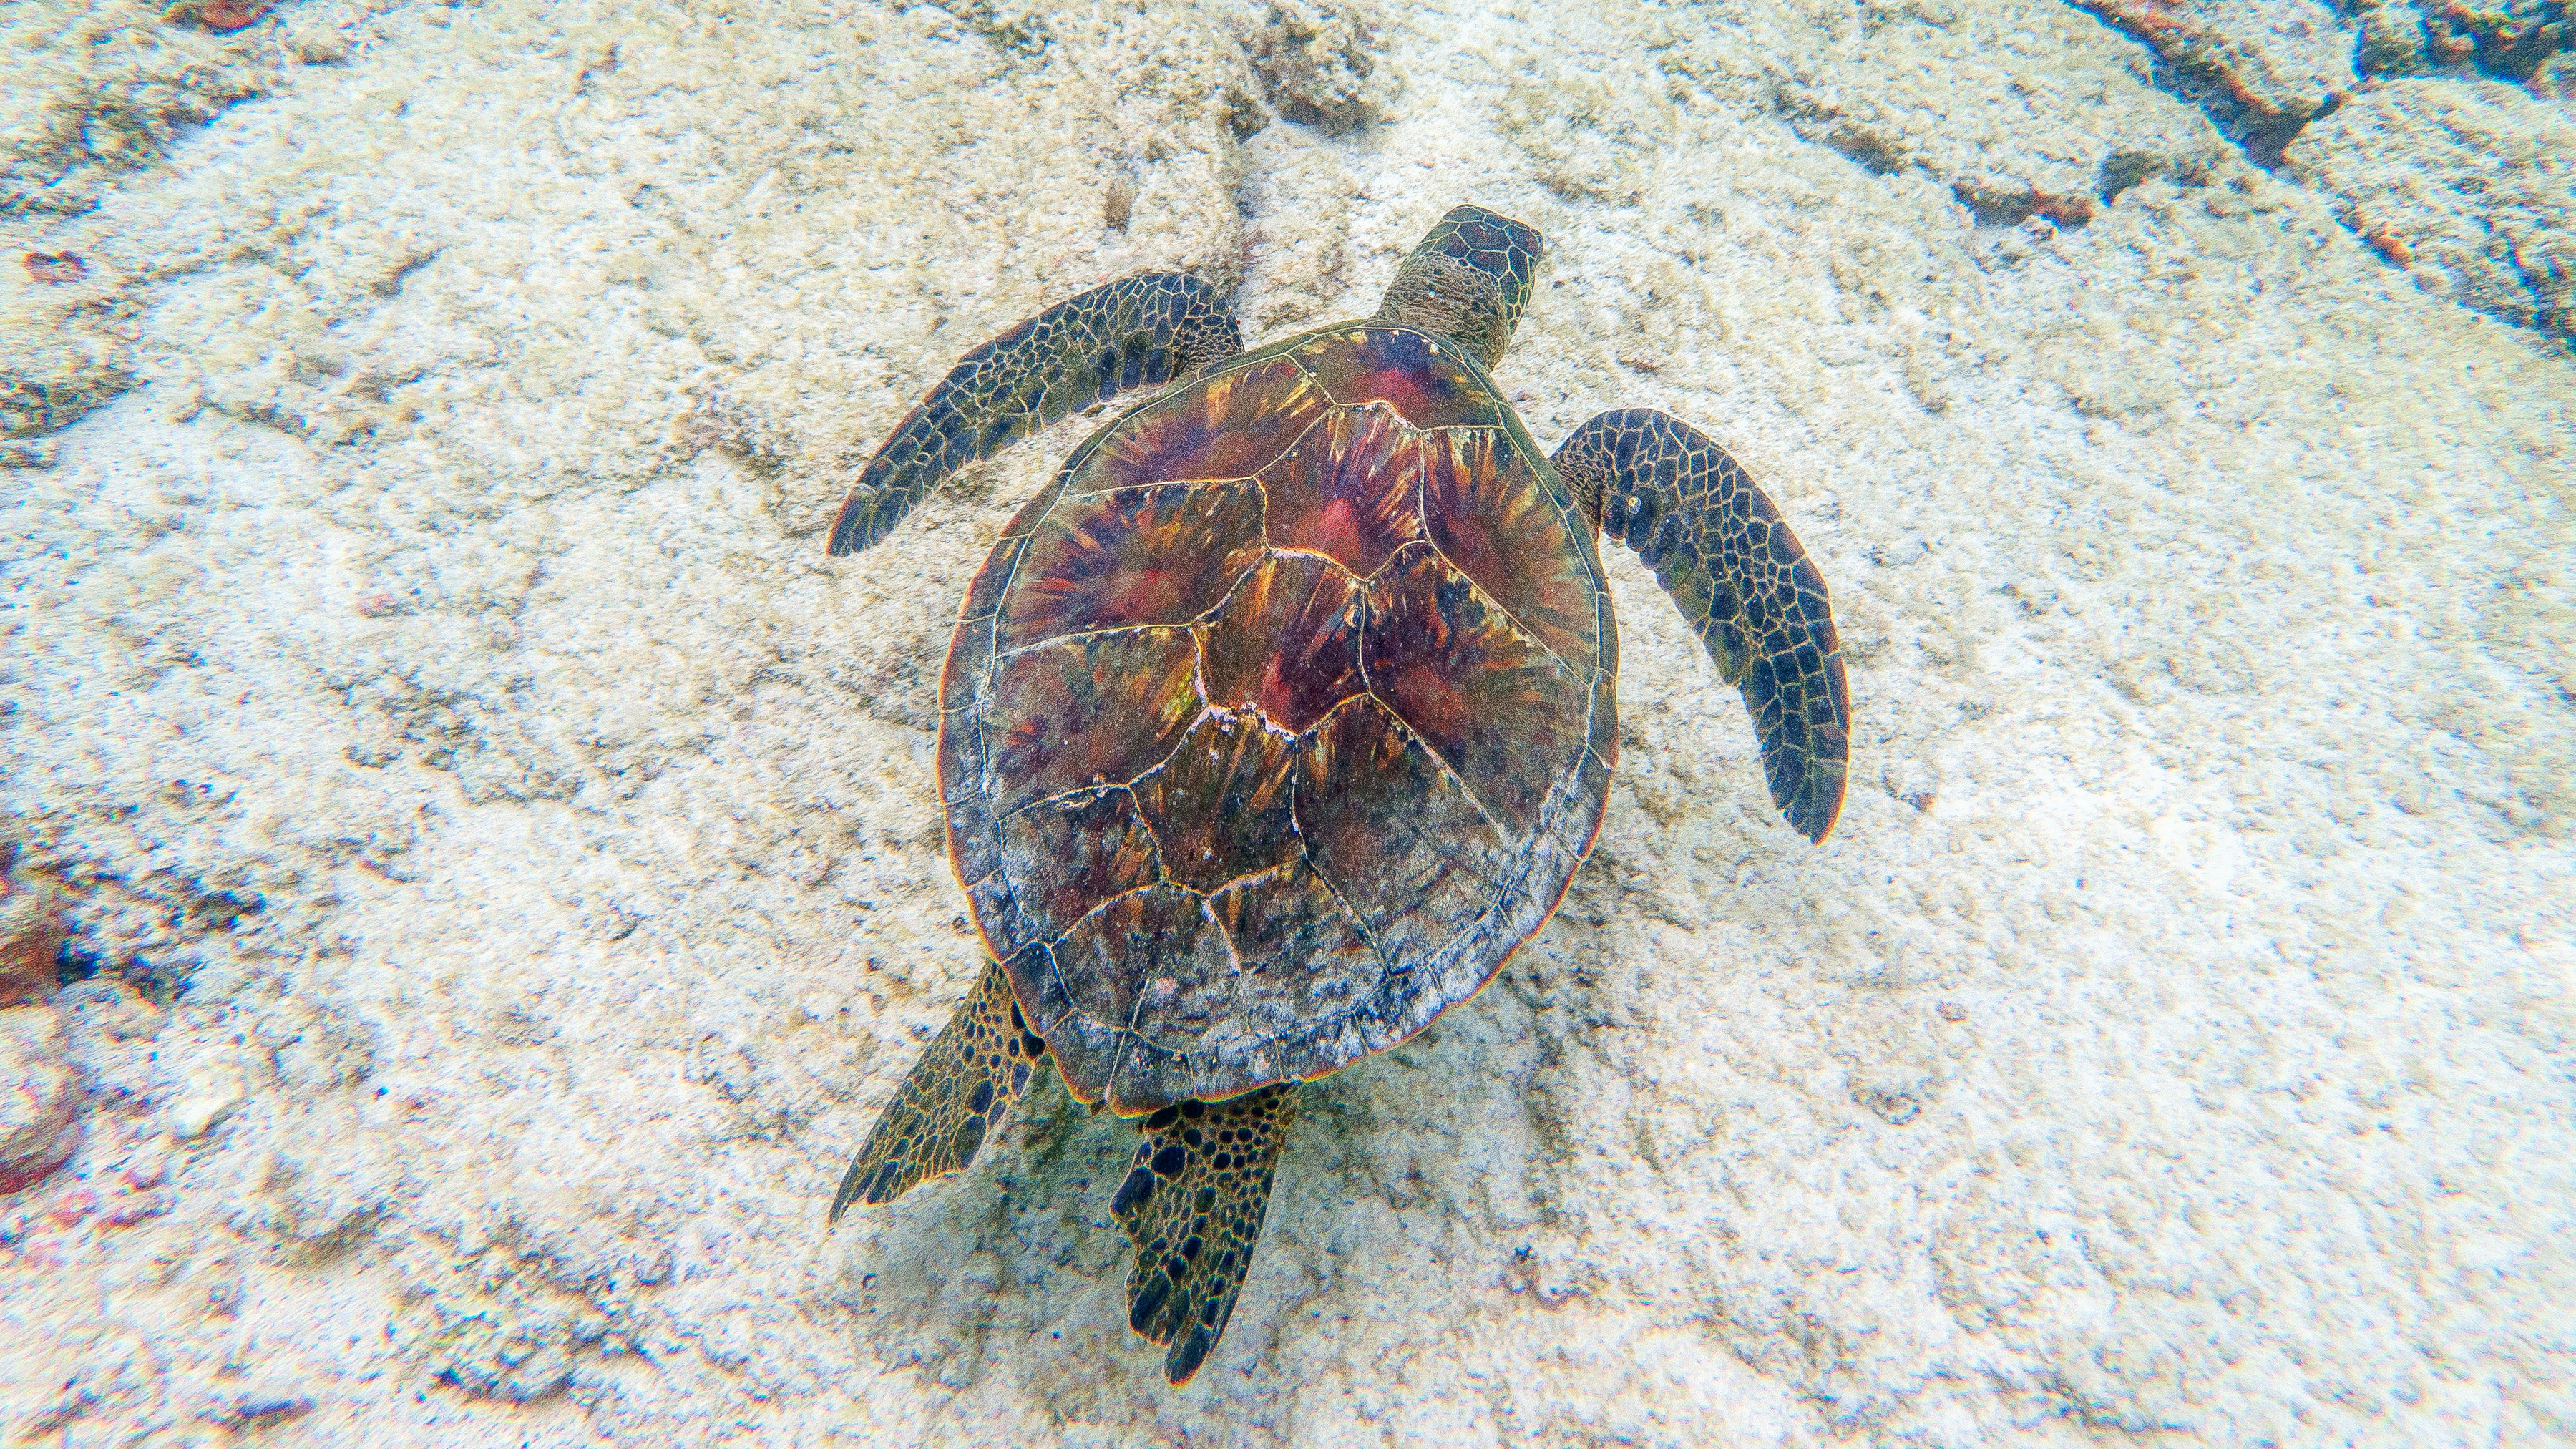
1288	722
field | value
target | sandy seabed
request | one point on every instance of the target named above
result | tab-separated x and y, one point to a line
502	856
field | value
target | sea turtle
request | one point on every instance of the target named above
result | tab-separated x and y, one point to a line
1286	712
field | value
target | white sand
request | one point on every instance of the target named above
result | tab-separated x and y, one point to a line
431	671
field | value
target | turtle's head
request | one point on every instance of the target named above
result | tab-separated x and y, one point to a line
1467	281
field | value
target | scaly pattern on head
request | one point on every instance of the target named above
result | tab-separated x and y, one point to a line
1467	281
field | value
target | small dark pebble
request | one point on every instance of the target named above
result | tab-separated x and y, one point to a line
56	268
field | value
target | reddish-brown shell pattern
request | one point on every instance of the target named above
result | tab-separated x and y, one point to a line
1279	720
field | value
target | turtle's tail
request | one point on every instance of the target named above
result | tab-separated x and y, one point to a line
955	1096
1193	1205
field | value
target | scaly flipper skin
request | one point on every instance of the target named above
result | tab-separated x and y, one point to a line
1737	573
1193	1204
1140	332
955	1096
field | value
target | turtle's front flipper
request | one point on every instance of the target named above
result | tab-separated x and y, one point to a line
1193	1205
1139	332
1729	561
954	1098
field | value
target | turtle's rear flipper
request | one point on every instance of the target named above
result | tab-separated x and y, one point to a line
1723	552
1140	332
1193	1205
956	1095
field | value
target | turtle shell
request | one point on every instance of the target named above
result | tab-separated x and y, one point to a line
1279	719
